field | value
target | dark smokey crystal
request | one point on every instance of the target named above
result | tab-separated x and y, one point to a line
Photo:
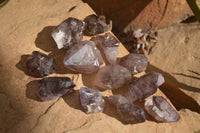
53	87
128	111
161	110
40	65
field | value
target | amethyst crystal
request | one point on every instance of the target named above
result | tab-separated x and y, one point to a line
53	87
69	32
144	86
109	44
83	57
135	63
40	65
112	77
94	26
91	100
128	111
161	110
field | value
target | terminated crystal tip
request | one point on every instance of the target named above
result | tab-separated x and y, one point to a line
53	87
161	110
91	100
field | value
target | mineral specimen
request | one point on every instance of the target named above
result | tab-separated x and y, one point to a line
53	87
83	57
144	86
40	65
94	26
135	63
161	110
112	77
128	111
69	32
109	44
91	100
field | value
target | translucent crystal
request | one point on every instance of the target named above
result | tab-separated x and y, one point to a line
83	57
53	87
161	110
91	100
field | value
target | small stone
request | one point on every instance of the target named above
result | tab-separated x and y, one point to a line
83	57
94	26
135	63
144	86
161	110
128	111
69	32
109	44
53	87
91	100
112	77
40	64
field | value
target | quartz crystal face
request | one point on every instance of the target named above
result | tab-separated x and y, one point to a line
94	26
112	77
144	86
40	65
109	44
69	32
53	87
83	57
128	111
91	100
161	110
135	63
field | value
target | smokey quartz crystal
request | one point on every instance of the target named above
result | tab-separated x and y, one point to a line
161	110
91	100
52	87
69	32
40	65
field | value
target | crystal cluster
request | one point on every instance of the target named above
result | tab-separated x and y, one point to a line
112	77
135	63
40	64
161	110
128	111
109	44
53	87
144	86
91	100
69	32
83	57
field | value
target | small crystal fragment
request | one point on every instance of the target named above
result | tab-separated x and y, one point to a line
135	63
128	111
112	77
53	87
161	110
109	44
94	26
144	86
91	100
40	65
83	57
69	32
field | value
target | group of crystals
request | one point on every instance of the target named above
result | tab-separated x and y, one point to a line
84	57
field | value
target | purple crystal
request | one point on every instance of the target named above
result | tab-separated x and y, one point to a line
135	63
109	44
144	86
53	87
83	57
94	26
112	77
161	110
128	111
91	100
40	65
69	32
